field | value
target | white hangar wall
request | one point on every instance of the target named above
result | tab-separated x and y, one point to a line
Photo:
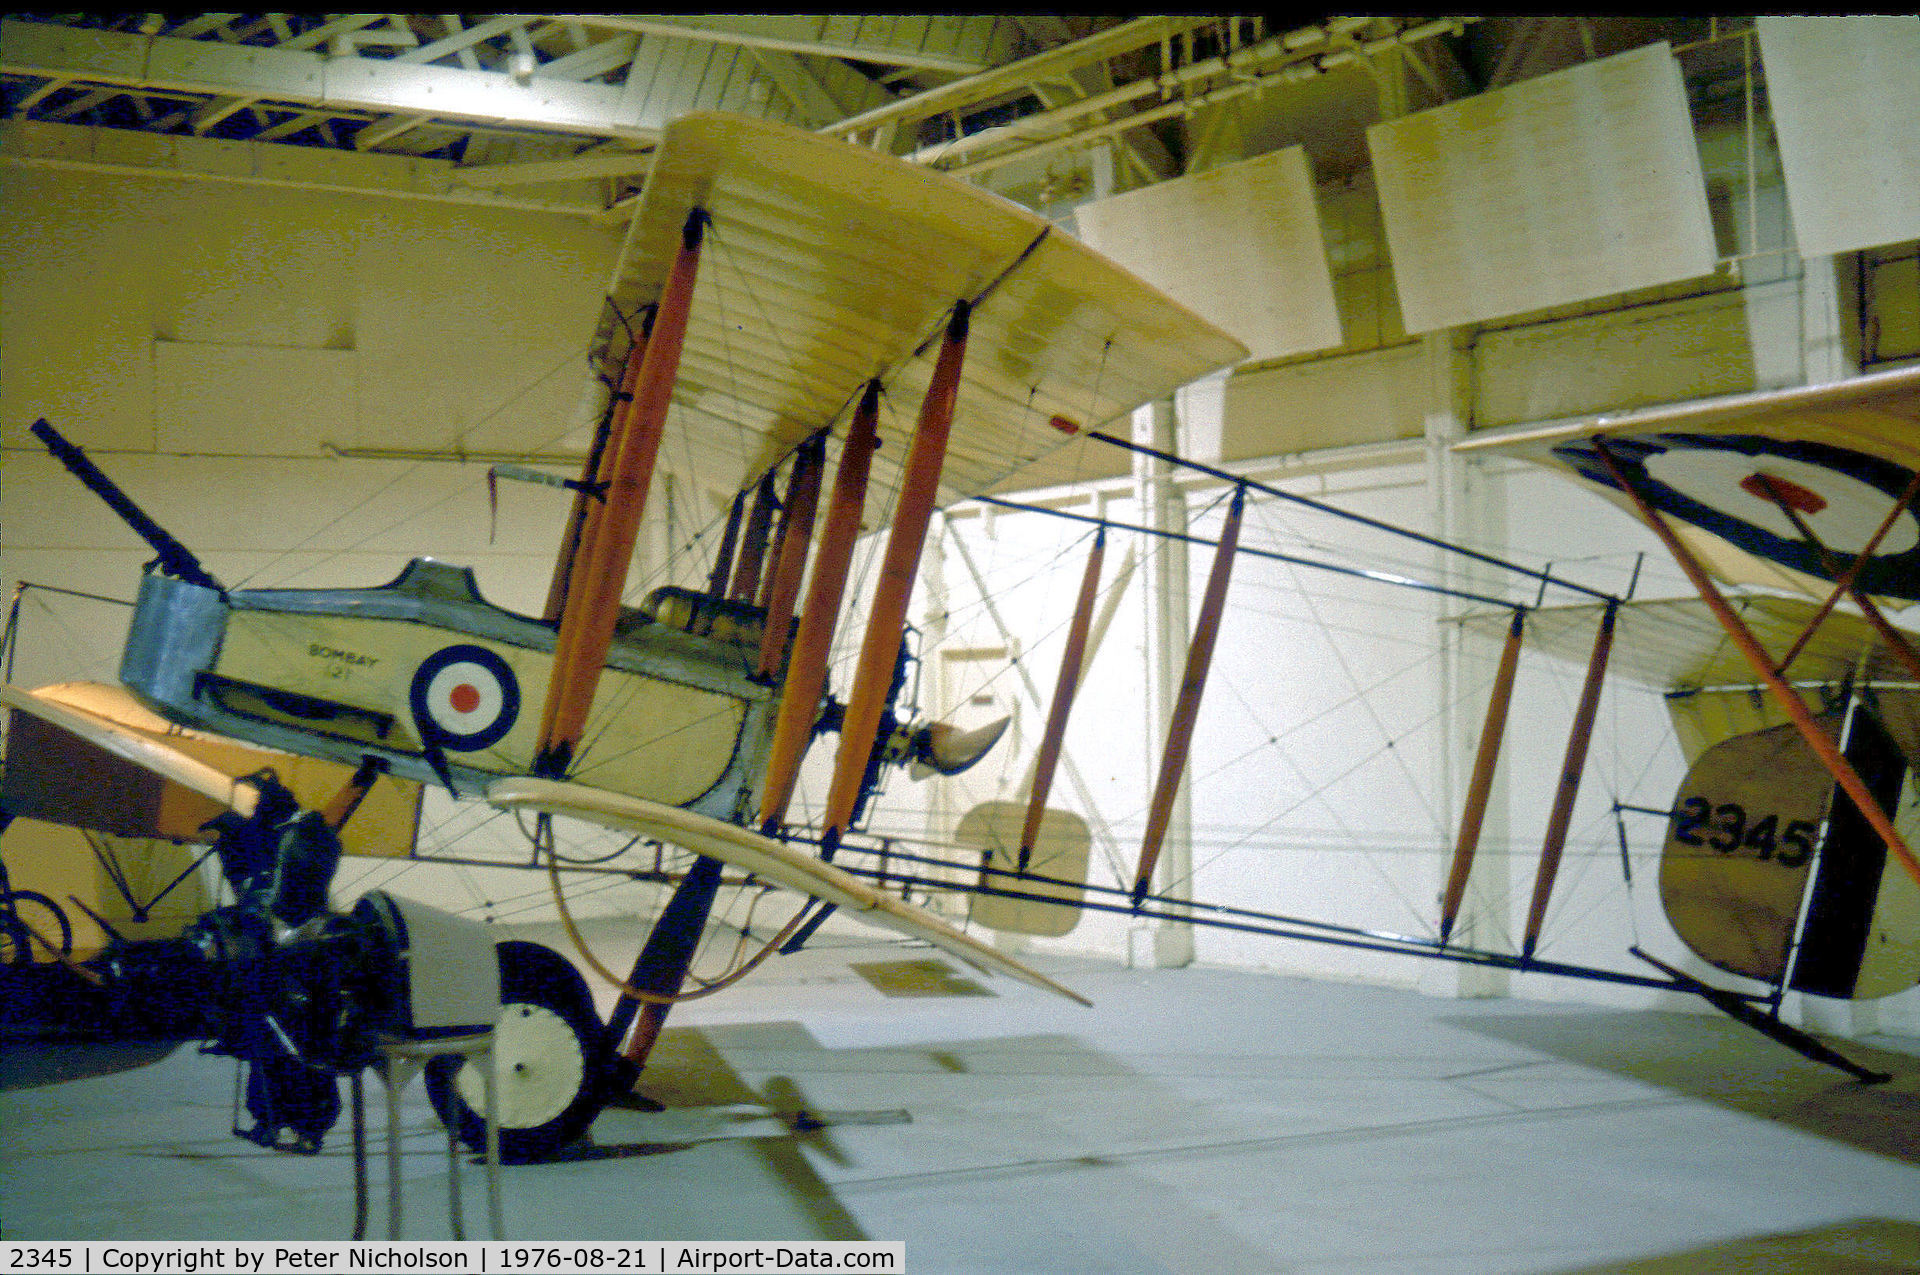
242	357
256	367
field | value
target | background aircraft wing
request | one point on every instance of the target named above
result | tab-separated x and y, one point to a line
93	756
119	741
827	264
1841	455
1675	646
764	857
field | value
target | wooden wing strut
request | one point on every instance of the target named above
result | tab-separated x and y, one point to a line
1571	770
1186	707
588	497
1473	816
807	666
880	648
1048	757
790	560
599	571
723	556
753	546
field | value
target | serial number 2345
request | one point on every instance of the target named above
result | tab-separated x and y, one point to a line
1727	828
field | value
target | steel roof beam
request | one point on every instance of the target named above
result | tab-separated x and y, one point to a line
1051	64
34	144
786	32
122	62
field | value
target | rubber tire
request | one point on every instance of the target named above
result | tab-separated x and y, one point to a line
20	947
540	990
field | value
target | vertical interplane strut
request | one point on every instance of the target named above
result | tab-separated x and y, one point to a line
599	569
1186	707
1560	818
722	572
1756	655
753	545
1048	757
880	648
790	557
1473	815
807	666
588	498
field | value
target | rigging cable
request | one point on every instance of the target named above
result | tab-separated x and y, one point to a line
659	998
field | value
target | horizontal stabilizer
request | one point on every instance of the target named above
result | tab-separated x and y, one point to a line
764	857
1676	644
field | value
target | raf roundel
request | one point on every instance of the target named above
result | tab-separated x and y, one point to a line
1765	494
464	698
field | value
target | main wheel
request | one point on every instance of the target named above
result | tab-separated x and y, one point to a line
552	1061
30	915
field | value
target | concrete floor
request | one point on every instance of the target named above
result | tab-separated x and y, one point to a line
1193	1120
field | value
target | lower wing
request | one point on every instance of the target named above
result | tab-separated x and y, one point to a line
764	857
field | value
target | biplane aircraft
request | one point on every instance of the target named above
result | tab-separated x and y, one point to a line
288	726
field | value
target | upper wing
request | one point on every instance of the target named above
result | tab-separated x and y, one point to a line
828	264
762	856
1842	455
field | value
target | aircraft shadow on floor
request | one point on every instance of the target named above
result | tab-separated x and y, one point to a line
1718	1062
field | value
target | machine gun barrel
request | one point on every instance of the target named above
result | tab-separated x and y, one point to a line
175	558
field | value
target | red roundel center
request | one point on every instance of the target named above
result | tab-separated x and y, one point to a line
464	697
1781	491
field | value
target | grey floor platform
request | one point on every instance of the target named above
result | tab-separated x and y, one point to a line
1193	1120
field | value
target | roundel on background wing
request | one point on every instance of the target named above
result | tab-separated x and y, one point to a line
464	698
1733	485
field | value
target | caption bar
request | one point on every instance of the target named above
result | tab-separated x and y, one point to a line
255	1257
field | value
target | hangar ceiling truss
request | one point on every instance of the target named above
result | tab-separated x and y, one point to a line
561	110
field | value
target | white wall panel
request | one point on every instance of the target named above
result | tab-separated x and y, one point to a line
1578	184
1240	244
1371	397
1845	97
183	315
1693	348
249	399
